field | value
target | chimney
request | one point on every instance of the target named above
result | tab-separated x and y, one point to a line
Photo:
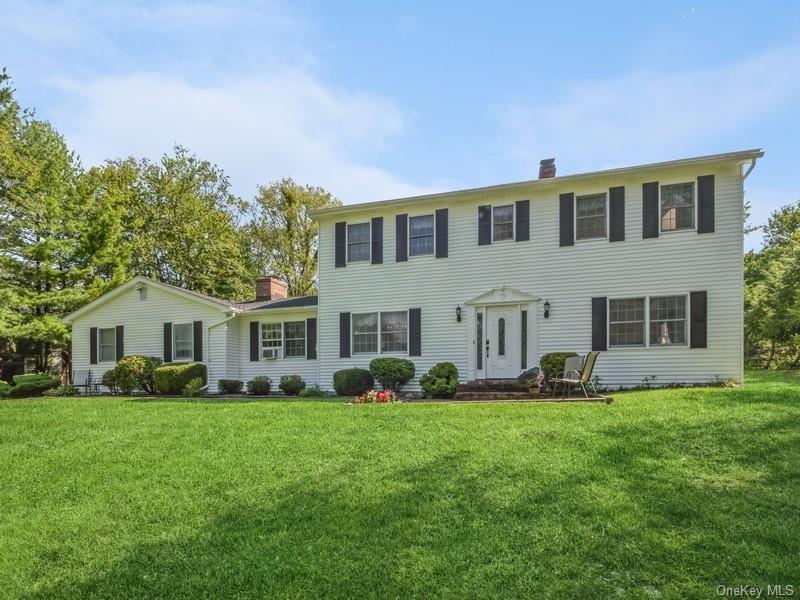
270	288
547	168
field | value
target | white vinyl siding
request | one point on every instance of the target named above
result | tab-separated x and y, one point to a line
569	277
182	341
107	344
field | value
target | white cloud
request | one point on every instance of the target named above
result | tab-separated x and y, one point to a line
257	128
648	115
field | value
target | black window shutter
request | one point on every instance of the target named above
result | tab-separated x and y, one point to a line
198	341
167	342
599	324
705	204
255	342
311	339
415	332
650	210
566	219
120	335
616	216
441	233
93	346
523	220
484	225
401	238
341	244
698	308
377	240
344	335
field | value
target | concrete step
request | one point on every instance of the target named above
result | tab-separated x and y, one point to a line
493	395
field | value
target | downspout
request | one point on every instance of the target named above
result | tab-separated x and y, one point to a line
749	170
231	316
752	166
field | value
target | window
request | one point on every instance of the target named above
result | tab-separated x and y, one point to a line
524	341
358	242
394	331
365	333
677	206
626	322
501	337
107	344
182	341
270	338
668	320
479	340
420	235
503	222
295	339
590	217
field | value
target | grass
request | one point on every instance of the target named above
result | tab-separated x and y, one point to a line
665	493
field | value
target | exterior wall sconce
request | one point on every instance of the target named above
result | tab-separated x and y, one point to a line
547	309
458	314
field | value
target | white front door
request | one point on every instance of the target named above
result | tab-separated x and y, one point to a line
502	342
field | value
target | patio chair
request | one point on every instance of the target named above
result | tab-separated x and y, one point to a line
85	380
572	370
580	376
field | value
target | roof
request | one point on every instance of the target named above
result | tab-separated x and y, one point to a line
740	155
298	302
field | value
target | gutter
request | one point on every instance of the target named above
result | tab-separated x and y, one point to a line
752	166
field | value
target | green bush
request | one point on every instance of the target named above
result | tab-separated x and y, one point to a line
32	386
31	378
172	379
291	385
4	389
109	380
259	386
313	391
194	388
553	363
393	373
441	381
230	386
352	382
136	373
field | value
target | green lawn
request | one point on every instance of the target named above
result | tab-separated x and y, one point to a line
661	494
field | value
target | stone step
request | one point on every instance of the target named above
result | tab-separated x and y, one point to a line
493	395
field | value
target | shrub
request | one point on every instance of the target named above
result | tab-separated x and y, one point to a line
392	373
259	386
109	380
64	390
313	391
31	386
194	387
4	389
441	381
172	379
553	363
374	396
136	373
292	384
31	378
352	382
230	386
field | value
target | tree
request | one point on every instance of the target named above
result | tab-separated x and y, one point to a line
282	235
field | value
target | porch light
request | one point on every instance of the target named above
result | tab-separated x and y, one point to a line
547	309
458	314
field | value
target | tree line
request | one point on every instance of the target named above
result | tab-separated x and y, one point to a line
69	234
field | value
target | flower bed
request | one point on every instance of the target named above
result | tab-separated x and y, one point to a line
374	396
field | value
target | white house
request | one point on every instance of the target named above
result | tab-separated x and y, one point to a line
643	263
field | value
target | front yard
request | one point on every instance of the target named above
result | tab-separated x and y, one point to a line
663	493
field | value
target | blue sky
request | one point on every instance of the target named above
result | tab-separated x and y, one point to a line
376	100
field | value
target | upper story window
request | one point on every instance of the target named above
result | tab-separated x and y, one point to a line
668	320
420	235
503	223
358	242
271	337
294	339
590	217
677	206
182	341
107	344
626	322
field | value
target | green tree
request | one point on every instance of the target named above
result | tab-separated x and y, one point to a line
283	236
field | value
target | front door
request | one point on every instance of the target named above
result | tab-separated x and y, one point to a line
502	342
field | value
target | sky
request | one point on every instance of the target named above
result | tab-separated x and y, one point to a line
375	100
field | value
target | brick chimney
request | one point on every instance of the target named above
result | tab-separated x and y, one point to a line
270	288
547	168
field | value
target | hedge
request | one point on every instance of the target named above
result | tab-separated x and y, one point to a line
172	379
352	382
230	386
29	385
441	381
393	373
291	385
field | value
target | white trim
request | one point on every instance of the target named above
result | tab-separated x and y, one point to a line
513	206
575	217
100	361
261	339
694	206
305	340
646	323
175	357
502	295
408	234
379	351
